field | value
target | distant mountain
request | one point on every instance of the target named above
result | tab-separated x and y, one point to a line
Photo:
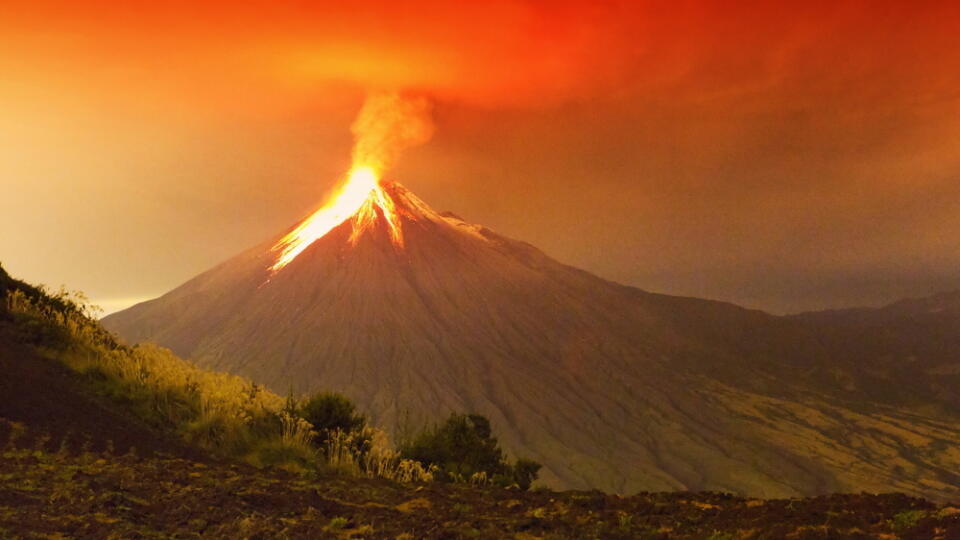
906	354
608	386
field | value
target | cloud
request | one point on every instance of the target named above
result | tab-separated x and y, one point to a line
492	52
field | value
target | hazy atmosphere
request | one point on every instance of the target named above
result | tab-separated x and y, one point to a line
505	269
780	162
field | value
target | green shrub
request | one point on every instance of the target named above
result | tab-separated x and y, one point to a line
329	413
525	472
338	522
907	519
463	448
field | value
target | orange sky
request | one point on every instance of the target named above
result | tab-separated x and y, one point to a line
785	157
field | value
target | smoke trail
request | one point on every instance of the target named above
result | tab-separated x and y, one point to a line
386	125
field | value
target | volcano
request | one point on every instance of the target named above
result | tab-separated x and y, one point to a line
414	314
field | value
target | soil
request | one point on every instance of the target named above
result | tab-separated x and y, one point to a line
60	495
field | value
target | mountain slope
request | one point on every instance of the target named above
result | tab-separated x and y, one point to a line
906	354
55	402
608	386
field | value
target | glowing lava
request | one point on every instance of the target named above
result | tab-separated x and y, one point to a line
387	124
360	198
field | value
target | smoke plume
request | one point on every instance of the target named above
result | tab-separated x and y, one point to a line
387	124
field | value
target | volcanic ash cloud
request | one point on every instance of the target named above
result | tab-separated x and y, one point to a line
388	124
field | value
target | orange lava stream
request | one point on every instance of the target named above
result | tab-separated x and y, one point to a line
359	199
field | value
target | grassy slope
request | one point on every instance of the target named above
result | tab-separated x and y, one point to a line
57	403
65	373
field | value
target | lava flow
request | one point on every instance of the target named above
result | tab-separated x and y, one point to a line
359	199
385	126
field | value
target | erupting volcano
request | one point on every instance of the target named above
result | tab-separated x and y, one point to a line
387	124
414	313
361	200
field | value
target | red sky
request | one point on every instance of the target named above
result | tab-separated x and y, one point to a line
789	156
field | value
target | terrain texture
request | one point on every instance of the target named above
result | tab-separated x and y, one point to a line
608	386
50	494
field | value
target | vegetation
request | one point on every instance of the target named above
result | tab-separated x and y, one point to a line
331	414
907	519
463	448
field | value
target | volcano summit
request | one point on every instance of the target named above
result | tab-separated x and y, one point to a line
414	313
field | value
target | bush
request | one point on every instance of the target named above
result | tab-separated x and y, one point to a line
525	472
463	448
329	413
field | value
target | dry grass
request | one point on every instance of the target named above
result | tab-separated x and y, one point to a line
380	461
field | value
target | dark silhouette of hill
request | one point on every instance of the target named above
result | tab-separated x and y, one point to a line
906	354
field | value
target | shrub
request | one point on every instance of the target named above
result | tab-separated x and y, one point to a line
338	429
461	446
907	519
525	472
463	449
329	412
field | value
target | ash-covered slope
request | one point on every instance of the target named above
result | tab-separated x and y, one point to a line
607	386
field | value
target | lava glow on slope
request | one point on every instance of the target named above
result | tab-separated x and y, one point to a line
387	124
359	199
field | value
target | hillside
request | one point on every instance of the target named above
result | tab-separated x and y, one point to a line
608	386
906	354
57	403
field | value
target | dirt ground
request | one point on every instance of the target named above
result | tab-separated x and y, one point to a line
47	494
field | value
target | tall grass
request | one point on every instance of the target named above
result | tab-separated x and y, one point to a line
224	414
381	460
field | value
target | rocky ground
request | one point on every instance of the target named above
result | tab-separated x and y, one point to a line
55	493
